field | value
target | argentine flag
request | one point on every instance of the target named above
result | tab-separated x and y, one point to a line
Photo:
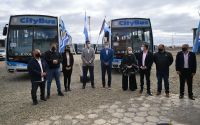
85	31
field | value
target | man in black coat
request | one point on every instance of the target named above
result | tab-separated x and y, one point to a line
163	60
145	61
186	66
37	71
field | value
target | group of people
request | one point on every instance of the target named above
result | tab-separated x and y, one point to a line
46	68
42	69
185	66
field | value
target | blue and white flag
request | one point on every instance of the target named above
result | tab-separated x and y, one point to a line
196	45
85	31
65	37
105	27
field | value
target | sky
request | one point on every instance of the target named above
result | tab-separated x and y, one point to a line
172	20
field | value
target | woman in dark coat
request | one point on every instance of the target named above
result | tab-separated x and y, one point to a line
129	66
67	67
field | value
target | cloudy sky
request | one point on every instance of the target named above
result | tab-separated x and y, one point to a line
170	19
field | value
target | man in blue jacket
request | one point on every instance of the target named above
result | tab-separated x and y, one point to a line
37	71
106	57
186	66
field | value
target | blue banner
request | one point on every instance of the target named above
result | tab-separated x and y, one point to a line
196	45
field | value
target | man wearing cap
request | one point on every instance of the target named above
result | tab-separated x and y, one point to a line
106	57
88	56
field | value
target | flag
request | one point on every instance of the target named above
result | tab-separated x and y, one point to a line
85	31
65	36
64	42
105	27
102	27
197	41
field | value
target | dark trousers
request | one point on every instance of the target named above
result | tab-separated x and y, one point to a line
132	82
67	78
104	69
85	71
186	75
145	73
163	75
35	86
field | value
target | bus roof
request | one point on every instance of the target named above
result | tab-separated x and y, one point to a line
130	22
28	19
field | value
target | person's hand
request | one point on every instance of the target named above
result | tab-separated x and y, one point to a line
90	61
43	74
129	67
178	72
86	62
106	63
193	74
143	67
55	61
68	68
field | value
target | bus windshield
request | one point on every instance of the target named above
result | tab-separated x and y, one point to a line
43	37
22	41
129	37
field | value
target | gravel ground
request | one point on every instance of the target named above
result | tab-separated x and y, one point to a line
16	105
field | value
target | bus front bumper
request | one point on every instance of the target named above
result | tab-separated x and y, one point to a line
16	67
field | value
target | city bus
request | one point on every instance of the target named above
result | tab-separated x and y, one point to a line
28	32
129	32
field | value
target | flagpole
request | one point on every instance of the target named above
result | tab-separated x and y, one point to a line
99	35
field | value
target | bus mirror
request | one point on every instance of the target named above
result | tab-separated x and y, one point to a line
5	29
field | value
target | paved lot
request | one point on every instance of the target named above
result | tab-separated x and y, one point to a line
96	106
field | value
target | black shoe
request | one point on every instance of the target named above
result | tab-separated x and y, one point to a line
43	99
191	97
83	87
158	93
60	94
149	94
103	85
35	102
93	86
69	89
141	91
167	95
181	97
48	96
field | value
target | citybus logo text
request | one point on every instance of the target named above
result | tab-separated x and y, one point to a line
36	21
133	22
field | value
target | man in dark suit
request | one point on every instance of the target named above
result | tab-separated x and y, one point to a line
145	61
106	57
37	71
186	65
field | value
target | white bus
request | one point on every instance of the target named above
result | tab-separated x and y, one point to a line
129	32
27	32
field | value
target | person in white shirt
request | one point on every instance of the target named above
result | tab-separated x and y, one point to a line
37	71
145	62
186	66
